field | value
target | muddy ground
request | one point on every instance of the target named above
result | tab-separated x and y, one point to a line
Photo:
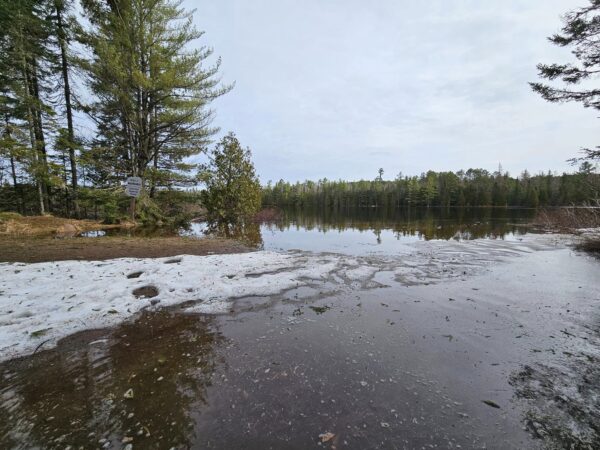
32	250
47	238
504	359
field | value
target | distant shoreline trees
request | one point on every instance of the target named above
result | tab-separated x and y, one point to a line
471	188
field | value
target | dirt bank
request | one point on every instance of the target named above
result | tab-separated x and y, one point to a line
36	249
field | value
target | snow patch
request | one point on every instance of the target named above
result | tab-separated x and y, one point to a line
41	303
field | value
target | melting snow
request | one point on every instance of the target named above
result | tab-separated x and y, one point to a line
41	303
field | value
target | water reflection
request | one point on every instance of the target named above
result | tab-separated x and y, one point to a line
425	223
355	230
246	232
360	231
138	232
138	383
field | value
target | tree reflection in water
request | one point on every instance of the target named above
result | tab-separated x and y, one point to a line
76	394
247	232
426	223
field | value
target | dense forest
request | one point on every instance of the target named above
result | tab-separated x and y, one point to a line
93	91
474	187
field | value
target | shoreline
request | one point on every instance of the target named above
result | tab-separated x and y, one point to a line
47	249
52	300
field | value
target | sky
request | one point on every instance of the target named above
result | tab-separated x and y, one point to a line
339	88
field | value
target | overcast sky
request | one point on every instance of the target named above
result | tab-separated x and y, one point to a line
339	88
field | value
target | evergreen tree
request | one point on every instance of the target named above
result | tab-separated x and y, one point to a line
152	92
67	137
232	188
580	33
25	64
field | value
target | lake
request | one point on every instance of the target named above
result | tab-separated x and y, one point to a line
371	230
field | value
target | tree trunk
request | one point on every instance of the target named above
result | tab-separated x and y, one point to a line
67	88
13	172
18	190
154	146
38	131
153	180
35	159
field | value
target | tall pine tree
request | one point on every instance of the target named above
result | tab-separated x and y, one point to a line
26	64
151	91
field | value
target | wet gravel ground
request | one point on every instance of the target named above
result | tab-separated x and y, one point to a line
504	359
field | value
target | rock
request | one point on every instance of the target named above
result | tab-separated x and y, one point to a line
326	437
135	274
491	403
145	292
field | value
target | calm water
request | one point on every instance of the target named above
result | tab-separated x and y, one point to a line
368	231
361	231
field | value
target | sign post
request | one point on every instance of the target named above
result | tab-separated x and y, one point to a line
133	189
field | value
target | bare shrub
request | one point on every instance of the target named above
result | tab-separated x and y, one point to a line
570	218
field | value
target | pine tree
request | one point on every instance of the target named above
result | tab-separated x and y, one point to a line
233	191
152	92
67	138
26	63
580	32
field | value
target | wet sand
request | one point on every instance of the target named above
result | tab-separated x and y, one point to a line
507	358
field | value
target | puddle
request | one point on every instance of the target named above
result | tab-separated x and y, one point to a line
75	395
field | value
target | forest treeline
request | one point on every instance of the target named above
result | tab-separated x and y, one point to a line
474	187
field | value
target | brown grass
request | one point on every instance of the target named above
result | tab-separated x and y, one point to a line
15	225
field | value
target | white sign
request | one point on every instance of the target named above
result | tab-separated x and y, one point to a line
133	187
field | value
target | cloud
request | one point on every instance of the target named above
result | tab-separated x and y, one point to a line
338	89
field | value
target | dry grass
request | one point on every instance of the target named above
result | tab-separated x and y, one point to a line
12	224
